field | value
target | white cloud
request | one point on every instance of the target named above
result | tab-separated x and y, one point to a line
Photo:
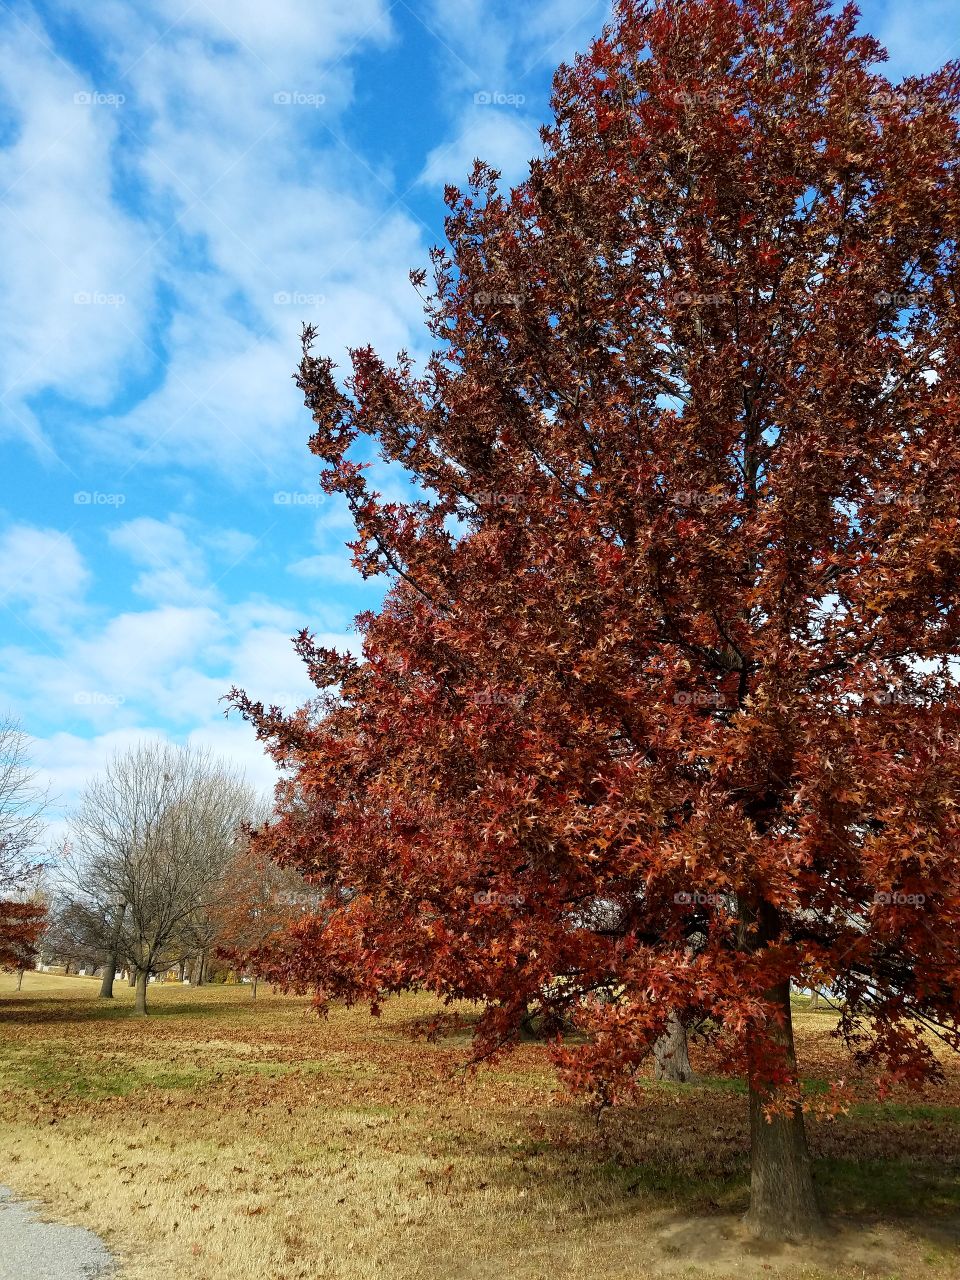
208	177
495	55
174	568
327	567
75	283
500	135
42	576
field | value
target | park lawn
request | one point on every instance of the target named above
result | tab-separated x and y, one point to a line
222	1139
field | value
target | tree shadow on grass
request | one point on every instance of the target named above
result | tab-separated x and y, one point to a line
27	1011
685	1152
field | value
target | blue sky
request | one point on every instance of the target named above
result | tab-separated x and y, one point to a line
181	186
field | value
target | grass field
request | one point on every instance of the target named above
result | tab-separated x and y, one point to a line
222	1139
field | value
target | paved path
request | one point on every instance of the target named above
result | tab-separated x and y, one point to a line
34	1250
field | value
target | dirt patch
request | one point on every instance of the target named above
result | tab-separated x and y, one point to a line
721	1246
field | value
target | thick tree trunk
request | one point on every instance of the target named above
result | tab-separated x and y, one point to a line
66	969
109	973
110	968
671	1062
183	969
140	1004
253	987
132	976
783	1200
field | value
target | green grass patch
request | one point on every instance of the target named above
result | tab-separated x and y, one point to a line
59	1073
906	1112
893	1188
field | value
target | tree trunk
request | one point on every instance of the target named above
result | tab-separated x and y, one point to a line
66	969
132	977
140	1004
183	969
671	1062
110	968
19	979
109	973
783	1201
253	987
815	999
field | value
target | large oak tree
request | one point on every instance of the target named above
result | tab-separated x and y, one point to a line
661	713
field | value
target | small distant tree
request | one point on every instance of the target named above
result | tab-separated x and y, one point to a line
21	928
22	806
153	835
259	903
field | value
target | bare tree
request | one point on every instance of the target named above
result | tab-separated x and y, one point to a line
22	805
153	834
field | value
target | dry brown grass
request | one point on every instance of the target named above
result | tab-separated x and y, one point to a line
226	1140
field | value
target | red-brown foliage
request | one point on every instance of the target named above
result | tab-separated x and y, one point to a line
663	704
